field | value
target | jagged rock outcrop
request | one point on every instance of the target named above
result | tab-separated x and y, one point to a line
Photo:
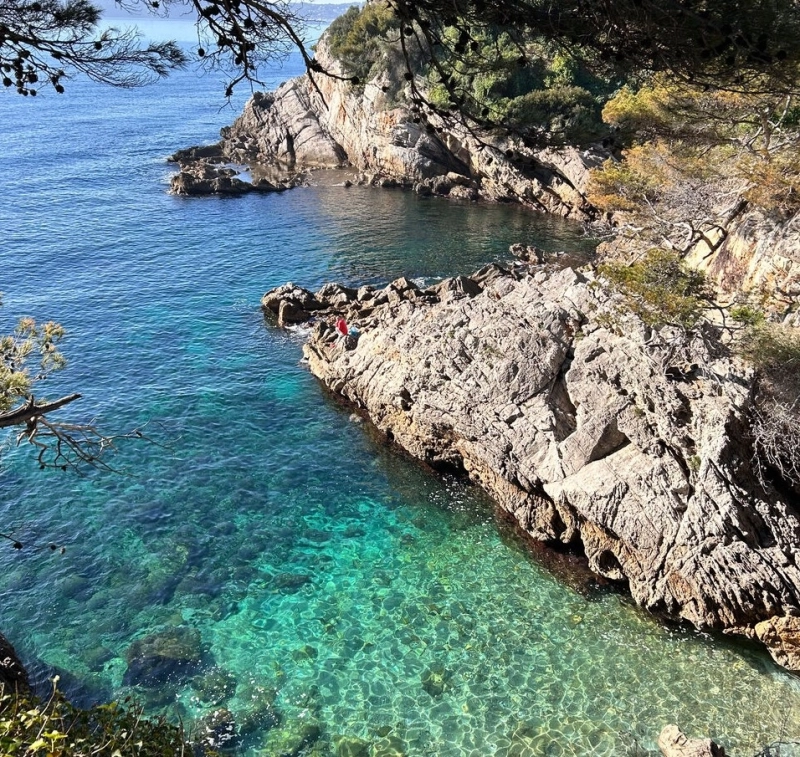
585	425
327	122
13	675
205	171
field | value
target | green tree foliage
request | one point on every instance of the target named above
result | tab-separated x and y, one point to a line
562	114
721	43
695	158
359	38
29	341
753	46
29	354
773	349
530	87
660	289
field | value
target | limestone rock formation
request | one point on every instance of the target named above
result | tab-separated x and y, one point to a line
584	424
782	636
327	122
759	256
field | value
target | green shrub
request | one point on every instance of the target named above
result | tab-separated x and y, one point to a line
544	91
660	289
357	39
773	349
747	315
566	111
54	728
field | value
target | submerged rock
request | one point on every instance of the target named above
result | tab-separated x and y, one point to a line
350	746
169	656
388	746
567	413
434	680
289	583
217	731
291	738
215	686
673	743
261	714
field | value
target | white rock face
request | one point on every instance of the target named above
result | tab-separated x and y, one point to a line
758	256
586	431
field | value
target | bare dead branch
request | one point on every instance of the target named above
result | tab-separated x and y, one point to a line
31	410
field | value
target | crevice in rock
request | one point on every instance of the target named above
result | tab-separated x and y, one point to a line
449	466
567	562
564	412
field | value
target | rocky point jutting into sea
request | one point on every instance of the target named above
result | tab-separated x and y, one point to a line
321	122
585	425
588	426
325	122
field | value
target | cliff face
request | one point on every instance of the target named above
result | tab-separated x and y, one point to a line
329	123
583	426
760	257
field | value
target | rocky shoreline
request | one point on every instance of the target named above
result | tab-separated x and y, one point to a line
326	122
584	424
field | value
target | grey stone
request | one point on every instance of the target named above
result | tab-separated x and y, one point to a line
328	123
576	431
673	743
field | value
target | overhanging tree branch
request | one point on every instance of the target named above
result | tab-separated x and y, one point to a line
32	410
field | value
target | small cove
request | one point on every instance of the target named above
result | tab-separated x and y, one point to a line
322	571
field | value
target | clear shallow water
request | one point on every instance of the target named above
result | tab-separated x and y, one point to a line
321	573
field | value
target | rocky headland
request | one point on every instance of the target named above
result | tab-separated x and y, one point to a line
317	121
590	428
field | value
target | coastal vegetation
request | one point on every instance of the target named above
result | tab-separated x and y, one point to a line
52	727
30	353
661	289
775	352
358	38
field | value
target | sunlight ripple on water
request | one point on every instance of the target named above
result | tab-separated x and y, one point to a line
317	576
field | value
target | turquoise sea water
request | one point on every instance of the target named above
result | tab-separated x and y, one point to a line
319	576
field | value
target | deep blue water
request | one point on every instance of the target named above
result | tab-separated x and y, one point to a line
311	568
